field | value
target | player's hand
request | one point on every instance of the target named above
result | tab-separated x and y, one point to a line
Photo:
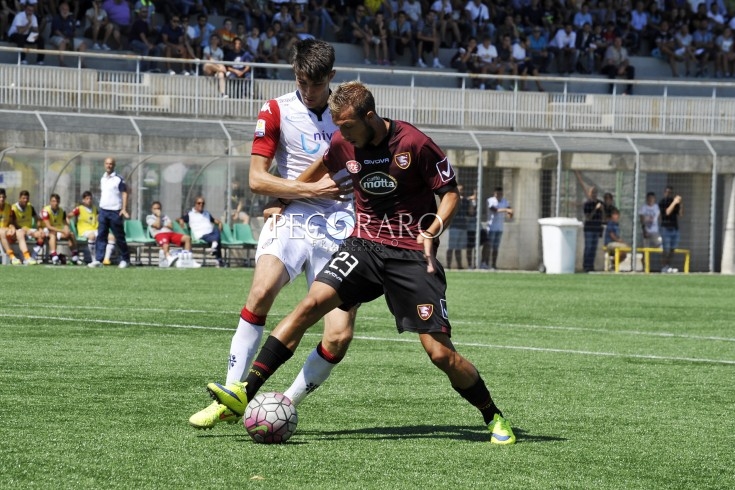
338	187
677	199
124	214
427	241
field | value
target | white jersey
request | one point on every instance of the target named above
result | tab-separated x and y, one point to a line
295	137
650	214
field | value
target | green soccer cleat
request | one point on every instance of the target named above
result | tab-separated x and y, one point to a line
501	432
212	415
233	396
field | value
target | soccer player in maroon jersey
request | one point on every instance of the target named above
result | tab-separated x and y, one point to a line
397	172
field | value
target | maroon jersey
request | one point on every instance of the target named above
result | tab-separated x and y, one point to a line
394	183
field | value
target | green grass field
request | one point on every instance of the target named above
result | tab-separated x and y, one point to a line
611	381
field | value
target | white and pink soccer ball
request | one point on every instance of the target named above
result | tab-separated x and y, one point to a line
270	418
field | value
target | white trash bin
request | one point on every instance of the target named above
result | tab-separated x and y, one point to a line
559	241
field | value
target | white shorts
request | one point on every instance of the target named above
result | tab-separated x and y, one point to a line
300	240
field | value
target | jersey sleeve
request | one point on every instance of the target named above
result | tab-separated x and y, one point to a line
335	158
122	187
75	211
44	215
437	170
267	130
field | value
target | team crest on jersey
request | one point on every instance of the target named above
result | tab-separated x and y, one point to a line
378	183
260	128
446	172
425	311
402	160
353	166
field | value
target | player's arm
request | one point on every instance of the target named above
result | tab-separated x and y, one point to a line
448	205
124	209
267	184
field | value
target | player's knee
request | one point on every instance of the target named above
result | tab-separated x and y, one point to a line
443	358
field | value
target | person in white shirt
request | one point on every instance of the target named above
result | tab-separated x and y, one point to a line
112	210
204	227
24	31
487	56
650	216
564	48
478	16
497	210
214	55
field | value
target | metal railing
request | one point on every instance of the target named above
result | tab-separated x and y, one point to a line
427	98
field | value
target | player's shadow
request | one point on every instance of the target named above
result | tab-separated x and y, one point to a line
452	432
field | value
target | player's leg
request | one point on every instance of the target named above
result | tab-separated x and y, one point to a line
20	238
103	230
118	230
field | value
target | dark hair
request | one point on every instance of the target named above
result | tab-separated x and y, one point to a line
86	194
24	193
651	194
614	210
352	94
499	189
156	202
313	59
56	196
2	191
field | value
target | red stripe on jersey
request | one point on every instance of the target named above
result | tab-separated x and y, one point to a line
267	130
251	317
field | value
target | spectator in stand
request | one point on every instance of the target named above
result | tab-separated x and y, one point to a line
401	36
26	219
300	25
524	63
582	17
63	33
140	42
252	43
639	27
538	49
360	31
508	28
238	56
715	17
478	17
24	31
414	12
379	39
98	23
321	18
151	16
449	34
725	59
586	49
204	227
172	43
8	10
684	48
564	48
284	17
160	227
54	224
465	59
214	67
119	12
427	39
487	56
704	48
87	221
599	45
506	62
203	30
617	64
666	46
612	238
226	35
269	50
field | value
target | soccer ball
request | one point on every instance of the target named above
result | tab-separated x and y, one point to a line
270	418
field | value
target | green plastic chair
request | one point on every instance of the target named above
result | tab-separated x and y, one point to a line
137	238
244	233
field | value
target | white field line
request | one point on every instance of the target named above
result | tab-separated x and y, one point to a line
390	339
235	315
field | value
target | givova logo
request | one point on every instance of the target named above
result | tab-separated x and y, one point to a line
378	183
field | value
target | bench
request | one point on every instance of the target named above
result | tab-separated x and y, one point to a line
646	251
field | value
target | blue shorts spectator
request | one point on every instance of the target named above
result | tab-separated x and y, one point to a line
669	238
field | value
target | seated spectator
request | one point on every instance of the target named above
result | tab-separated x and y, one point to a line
704	48
172	43
151	16
413	11
538	45
322	18
239	56
160	228
487	56
427	39
204	227
213	67
226	35
524	63
725	54
360	31
300	24
204	31
599	44
582	17
564	48
613	238
87	222
27	219
465	59
119	13
617	64
268	50
55	227
10	233
478	16
586	49
140	42
639	26
99	22
252	42
684	47
284	17
508	28
506	63
63	29
449	34
379	39
24	31
400	37
715	17
189	44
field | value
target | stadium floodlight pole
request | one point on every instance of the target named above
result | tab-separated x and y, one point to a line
713	206
557	206
478	201
636	191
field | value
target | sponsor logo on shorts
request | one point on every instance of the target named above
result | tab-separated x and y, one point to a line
260	128
402	160
443	305
446	172
353	166
425	311
378	184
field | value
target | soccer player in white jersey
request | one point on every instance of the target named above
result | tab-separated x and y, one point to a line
294	130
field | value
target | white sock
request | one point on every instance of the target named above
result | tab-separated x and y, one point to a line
214	244
243	348
315	371
108	250
91	246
